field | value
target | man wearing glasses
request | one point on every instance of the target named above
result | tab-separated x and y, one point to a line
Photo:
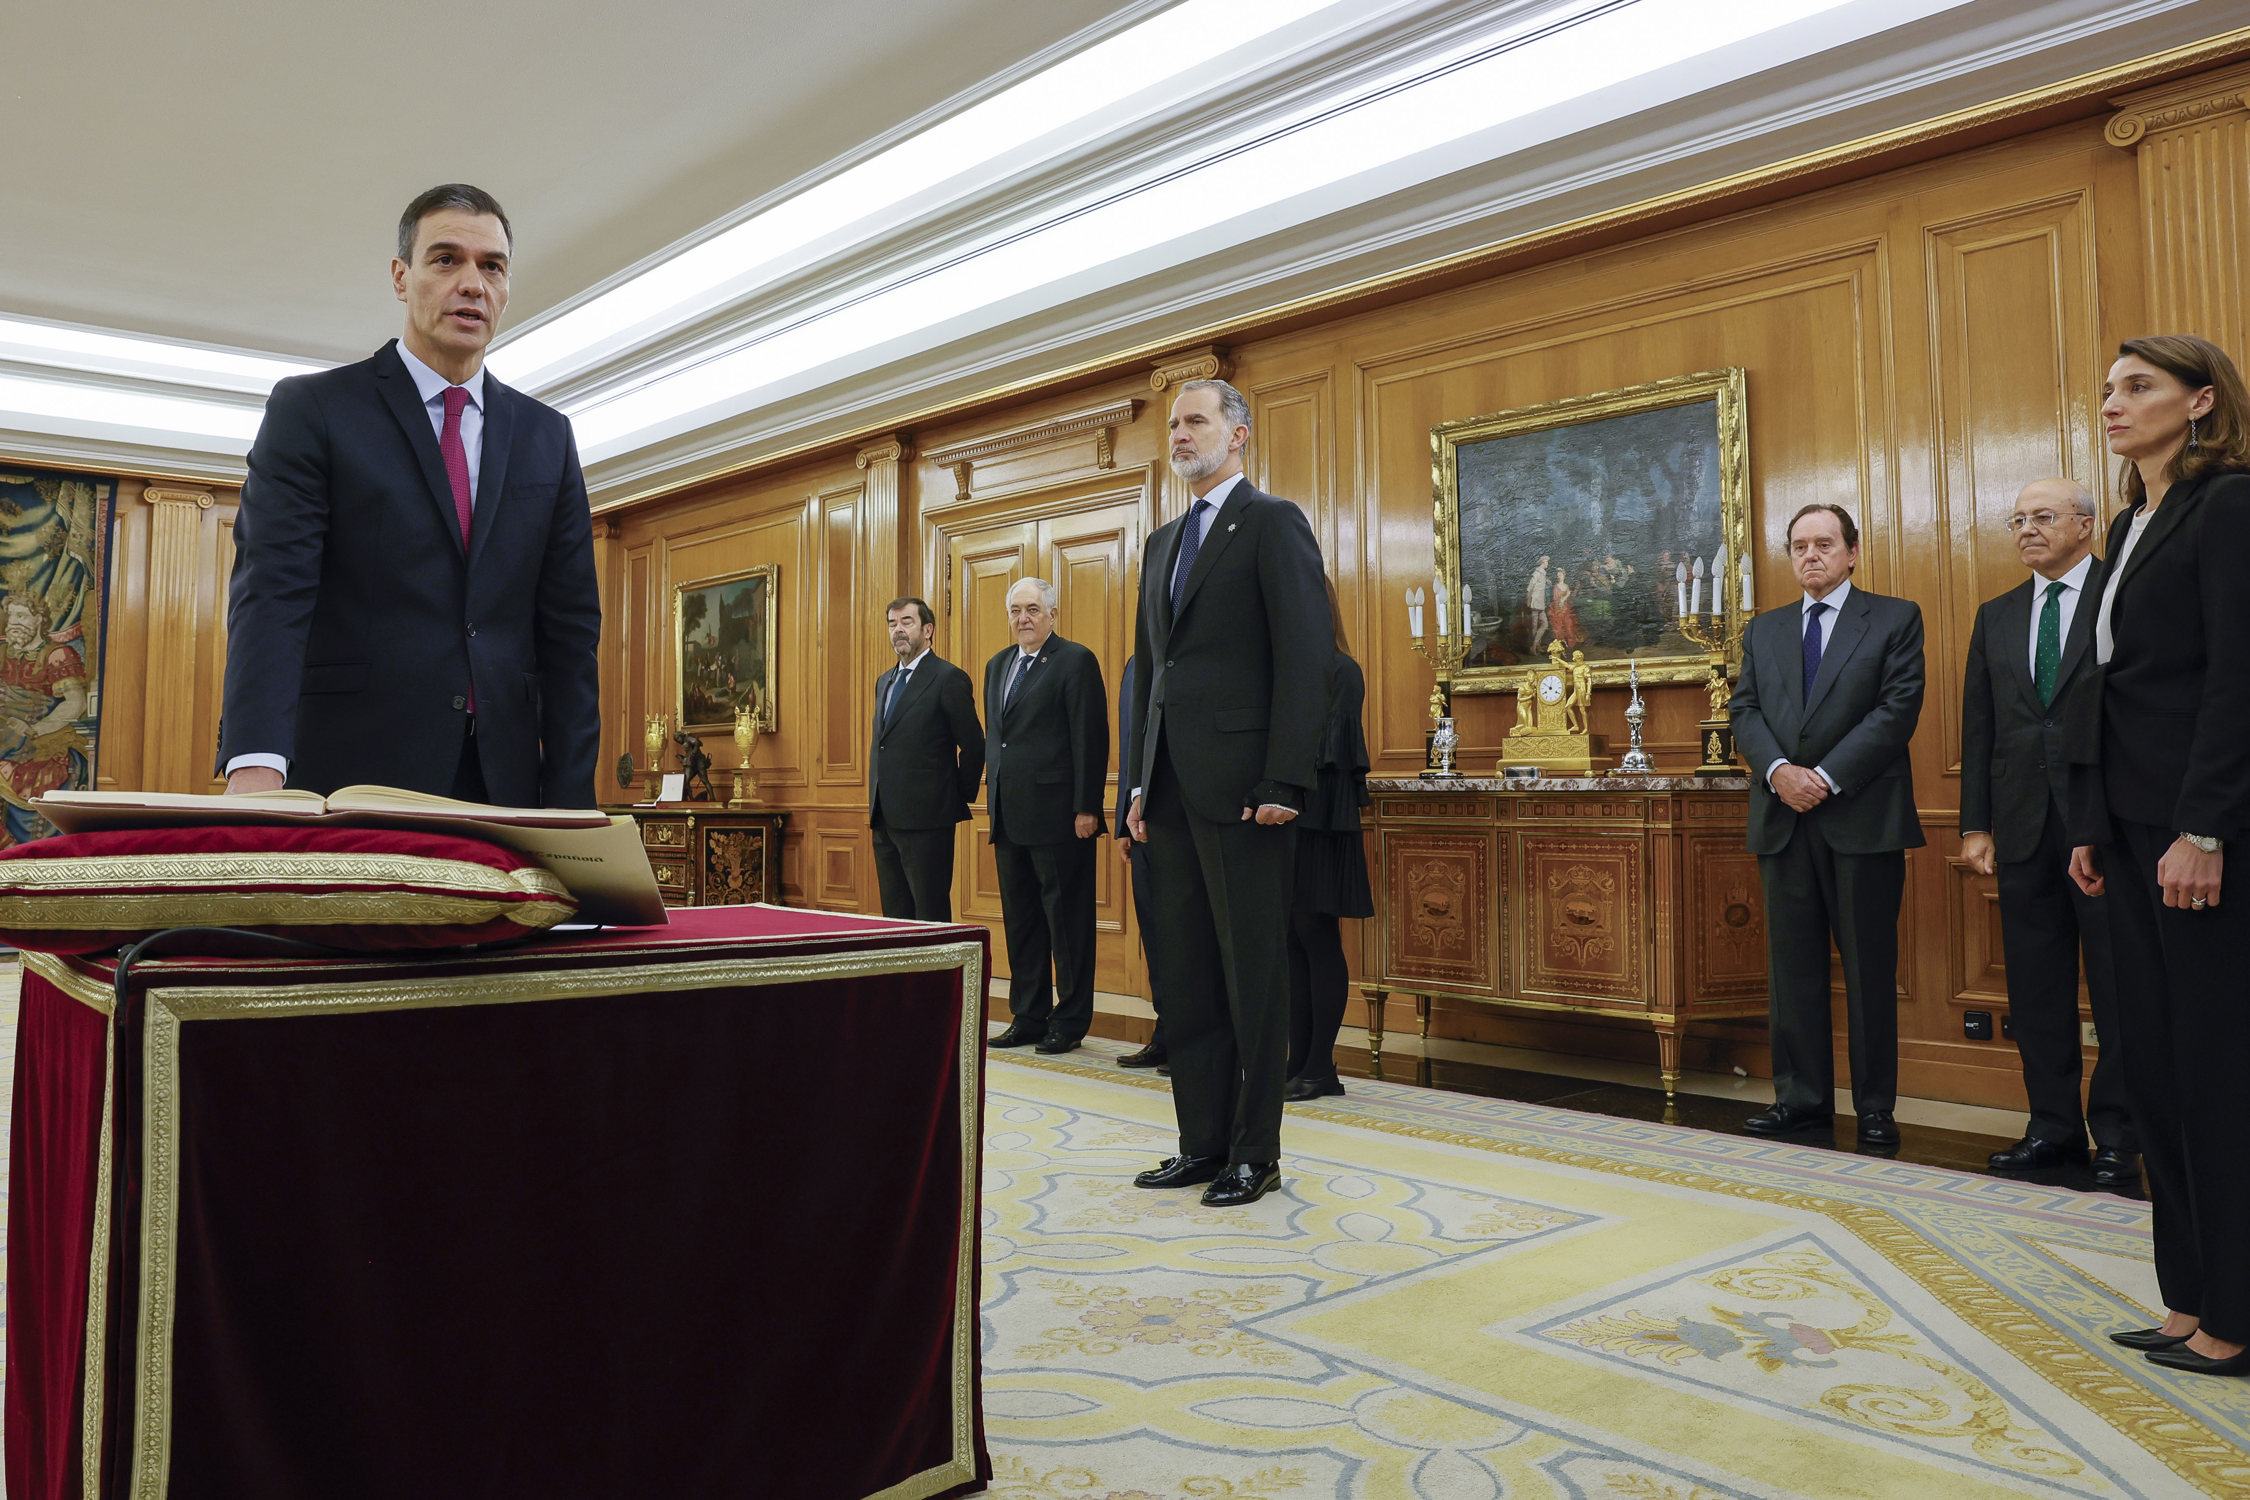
2029	659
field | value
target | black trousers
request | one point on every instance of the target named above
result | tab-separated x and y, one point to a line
1319	980
1047	914
1814	895
468	772
914	871
2187	1054
1222	964
1144	912
2044	920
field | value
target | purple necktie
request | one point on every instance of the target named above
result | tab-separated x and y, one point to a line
1812	646
1191	542
457	474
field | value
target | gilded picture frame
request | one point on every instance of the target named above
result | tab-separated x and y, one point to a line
1602	521
724	646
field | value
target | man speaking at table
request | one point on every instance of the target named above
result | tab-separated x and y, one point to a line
413	601
1235	637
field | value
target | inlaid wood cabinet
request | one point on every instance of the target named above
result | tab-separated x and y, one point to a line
1615	896
709	855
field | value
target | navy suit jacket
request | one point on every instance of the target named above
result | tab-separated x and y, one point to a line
357	627
1046	750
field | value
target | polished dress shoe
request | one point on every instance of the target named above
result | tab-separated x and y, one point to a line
2031	1154
1787	1119
1244	1182
1181	1171
2117	1168
1878	1130
1055	1041
2145	1339
2178	1358
1298	1090
1019	1034
1147	1057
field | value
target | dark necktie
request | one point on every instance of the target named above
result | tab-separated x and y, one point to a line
2048	660
1812	646
1023	670
890	700
1191	542
456	459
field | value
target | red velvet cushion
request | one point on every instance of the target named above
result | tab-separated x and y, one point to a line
366	889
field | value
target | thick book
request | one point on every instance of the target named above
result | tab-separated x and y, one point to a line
598	857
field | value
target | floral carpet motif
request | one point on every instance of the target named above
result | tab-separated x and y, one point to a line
1464	1298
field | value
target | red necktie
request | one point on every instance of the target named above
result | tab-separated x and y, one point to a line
457	474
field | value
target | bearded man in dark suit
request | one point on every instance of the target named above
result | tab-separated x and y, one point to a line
923	767
413	600
1234	637
1828	698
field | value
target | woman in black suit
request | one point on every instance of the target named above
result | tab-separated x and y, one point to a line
2173	785
1331	881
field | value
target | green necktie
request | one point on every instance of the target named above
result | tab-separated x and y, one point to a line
2047	663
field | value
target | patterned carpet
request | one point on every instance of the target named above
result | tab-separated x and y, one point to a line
1461	1297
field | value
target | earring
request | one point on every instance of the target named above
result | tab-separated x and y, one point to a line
2193	440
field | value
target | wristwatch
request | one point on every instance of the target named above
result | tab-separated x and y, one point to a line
2204	841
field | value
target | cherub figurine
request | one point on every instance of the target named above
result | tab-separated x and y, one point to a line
1719	690
1581	694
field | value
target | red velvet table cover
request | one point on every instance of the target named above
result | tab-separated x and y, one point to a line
689	1210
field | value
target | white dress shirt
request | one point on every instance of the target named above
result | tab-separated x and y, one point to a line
2105	644
2074	586
1835	603
430	385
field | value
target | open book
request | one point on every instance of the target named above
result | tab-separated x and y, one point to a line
598	858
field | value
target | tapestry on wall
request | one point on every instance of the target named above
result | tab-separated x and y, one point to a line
54	577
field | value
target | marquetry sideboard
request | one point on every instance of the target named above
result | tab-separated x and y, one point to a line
707	855
1603	895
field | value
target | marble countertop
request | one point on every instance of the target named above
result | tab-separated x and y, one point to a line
1657	783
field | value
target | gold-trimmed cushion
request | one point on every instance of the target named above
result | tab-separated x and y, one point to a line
364	889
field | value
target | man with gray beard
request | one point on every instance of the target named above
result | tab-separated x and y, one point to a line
1234	637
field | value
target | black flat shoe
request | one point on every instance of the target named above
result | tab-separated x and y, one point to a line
2031	1154
1245	1182
2115	1169
2145	1339
1878	1130
2181	1358
1056	1042
1019	1034
1181	1171
1147	1057
1786	1119
1301	1089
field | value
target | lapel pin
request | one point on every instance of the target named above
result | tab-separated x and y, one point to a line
1230	525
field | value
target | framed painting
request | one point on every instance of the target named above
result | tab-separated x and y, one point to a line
1616	523
724	638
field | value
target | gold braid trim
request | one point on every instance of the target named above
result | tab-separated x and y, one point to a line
268	890
103	913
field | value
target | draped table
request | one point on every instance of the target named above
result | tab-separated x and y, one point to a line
688	1210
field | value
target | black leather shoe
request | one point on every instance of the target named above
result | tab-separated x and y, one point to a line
1019	1034
1787	1119
1055	1041
2180	1358
1147	1057
1181	1171
1878	1130
1301	1089
2031	1154
2115	1169
2145	1339
1245	1182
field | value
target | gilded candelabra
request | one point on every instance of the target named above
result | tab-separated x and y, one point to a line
1445	655
1722	637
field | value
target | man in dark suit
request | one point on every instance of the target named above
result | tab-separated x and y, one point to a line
1828	698
413	600
1235	636
924	766
1046	750
2030	657
1135	855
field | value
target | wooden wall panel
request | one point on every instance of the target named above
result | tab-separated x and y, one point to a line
840	608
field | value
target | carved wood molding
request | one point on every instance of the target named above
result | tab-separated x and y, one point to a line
2188	102
160	495
1207	363
963	457
891	450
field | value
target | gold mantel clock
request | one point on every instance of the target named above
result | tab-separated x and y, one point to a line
1550	728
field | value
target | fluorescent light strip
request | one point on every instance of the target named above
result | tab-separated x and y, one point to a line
125	415
1240	177
92	348
1142	57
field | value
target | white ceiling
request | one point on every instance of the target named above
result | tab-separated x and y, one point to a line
234	173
